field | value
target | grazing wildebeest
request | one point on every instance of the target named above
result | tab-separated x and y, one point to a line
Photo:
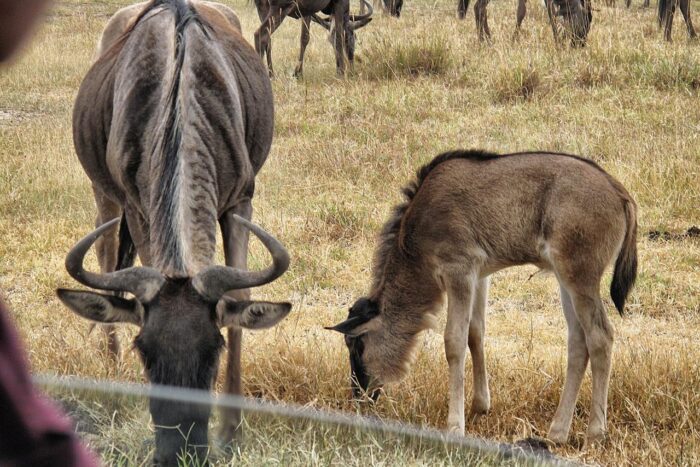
468	215
667	9
273	12
576	13
171	124
263	8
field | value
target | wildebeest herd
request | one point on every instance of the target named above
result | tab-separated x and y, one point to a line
172	123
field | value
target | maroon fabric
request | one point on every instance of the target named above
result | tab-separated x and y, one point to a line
32	431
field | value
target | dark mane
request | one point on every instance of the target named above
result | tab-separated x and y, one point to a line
389	235
164	204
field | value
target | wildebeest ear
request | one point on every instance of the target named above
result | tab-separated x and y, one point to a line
102	308
250	314
356	326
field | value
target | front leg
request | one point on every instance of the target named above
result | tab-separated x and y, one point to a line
235	237
481	403
460	296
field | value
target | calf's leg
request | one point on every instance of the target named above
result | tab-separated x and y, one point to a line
599	341
577	360
481	402
460	296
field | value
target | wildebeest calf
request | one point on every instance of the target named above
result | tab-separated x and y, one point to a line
468	215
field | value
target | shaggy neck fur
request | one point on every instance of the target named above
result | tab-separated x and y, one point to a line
183	195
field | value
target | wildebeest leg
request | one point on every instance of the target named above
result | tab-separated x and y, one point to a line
520	16
235	238
685	9
599	341
482	22
263	36
667	18
305	35
576	362
462	8
107	246
481	401
549	4
341	14
460	299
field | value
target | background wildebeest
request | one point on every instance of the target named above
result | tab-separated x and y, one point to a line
468	215
171	124
577	15
273	12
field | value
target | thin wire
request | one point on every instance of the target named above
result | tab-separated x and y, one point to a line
193	396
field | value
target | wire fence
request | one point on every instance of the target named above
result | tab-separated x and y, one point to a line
113	419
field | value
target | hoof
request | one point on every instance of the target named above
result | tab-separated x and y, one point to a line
558	437
594	438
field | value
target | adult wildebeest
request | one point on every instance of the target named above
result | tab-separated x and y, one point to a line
667	9
273	12
171	124
576	13
468	215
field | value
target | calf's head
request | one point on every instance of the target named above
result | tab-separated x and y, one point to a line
180	320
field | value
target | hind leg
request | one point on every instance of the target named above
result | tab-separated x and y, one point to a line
303	42
107	246
599	342
235	237
576	362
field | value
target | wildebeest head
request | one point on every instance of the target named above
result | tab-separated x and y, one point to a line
355	22
180	319
578	15
362	319
393	7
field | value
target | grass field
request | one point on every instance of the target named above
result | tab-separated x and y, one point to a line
343	149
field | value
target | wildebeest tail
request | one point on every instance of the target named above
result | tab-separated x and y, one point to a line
625	271
126	254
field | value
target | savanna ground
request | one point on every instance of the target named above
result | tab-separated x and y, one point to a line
343	149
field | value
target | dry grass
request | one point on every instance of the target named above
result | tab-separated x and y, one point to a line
342	151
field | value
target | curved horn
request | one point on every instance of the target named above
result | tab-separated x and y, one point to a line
357	21
143	282
215	281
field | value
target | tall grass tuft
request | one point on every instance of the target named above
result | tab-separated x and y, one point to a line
516	82
410	58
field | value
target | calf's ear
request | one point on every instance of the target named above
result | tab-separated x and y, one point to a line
357	325
251	314
102	308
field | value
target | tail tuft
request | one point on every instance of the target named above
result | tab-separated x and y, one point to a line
625	272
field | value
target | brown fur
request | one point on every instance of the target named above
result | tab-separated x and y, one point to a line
471	213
